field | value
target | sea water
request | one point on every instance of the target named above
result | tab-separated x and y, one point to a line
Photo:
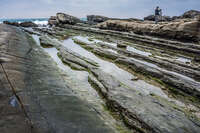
38	21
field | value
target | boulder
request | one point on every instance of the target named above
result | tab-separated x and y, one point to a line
67	19
53	21
28	24
96	18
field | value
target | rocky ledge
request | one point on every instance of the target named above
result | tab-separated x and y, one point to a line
185	30
141	113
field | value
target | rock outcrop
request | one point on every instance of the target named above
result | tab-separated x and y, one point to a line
67	19
180	30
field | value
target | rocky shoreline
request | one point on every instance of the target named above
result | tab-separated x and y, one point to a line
146	75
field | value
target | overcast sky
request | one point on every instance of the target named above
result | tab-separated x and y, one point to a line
81	8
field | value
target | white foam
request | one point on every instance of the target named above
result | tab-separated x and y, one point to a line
40	22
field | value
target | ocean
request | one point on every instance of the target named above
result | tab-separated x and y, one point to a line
38	21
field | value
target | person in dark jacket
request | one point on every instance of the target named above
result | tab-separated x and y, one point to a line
157	14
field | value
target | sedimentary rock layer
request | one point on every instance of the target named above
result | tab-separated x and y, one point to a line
181	30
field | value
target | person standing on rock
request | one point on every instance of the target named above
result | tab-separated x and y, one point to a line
157	14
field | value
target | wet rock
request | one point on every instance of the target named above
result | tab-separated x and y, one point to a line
180	82
67	19
28	24
47	97
140	113
99	49
190	48
169	65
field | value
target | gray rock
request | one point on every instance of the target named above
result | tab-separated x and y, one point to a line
141	113
67	19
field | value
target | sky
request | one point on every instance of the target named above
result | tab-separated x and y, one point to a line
81	8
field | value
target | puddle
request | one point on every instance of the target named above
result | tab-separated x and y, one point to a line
132	49
87	40
129	48
108	67
13	102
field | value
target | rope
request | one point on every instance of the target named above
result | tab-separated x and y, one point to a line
18	98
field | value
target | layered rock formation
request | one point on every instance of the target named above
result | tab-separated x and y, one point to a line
67	19
185	30
62	18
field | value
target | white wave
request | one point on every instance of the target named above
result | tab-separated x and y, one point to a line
40	22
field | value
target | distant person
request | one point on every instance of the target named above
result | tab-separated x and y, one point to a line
158	12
